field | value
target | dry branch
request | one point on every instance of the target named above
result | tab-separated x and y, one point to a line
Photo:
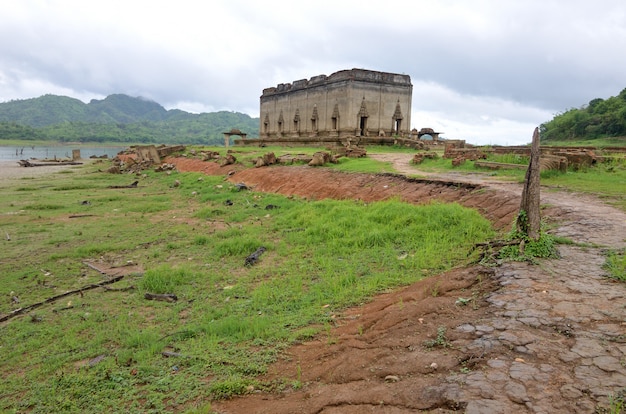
124	289
166	297
20	311
491	250
94	268
133	185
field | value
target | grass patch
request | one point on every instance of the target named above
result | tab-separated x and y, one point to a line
529	249
606	180
616	265
164	279
363	165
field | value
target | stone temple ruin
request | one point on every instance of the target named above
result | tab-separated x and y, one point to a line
350	106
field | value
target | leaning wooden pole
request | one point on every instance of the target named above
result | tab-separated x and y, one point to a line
529	218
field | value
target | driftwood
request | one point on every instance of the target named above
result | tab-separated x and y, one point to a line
26	163
94	268
124	289
80	215
63	309
166	297
254	257
96	360
132	185
169	354
20	311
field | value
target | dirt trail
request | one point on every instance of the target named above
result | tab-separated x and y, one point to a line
519	338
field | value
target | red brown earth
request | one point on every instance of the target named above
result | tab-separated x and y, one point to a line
519	337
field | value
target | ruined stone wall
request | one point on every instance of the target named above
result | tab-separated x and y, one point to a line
332	106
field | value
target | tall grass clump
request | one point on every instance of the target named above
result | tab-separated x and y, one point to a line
165	279
616	265
509	158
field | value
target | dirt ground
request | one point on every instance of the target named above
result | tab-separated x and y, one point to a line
513	338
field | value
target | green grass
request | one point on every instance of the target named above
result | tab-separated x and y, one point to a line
102	350
445	165
607	180
363	165
230	321
598	142
616	265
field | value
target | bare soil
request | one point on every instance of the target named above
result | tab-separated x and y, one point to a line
513	338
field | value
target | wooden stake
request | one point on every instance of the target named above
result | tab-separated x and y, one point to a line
529	217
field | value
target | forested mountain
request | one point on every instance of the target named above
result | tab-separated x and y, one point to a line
117	118
601	118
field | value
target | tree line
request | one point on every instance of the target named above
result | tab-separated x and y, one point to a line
601	118
117	118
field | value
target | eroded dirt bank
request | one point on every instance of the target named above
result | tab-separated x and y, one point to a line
547	338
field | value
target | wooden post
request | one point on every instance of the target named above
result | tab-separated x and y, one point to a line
529	218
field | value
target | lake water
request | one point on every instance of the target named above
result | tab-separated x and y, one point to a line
16	153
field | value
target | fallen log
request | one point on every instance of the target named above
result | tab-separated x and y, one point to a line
20	311
26	163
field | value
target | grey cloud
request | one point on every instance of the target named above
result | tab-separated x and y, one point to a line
511	61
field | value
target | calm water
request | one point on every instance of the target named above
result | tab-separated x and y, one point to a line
14	153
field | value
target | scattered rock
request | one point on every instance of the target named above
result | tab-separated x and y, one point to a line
392	378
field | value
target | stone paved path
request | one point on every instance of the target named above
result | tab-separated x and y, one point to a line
557	336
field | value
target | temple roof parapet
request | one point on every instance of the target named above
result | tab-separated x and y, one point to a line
362	75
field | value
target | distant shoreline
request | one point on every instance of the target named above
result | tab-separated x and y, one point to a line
18	152
13	171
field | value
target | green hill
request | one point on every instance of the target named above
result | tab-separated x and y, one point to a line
600	119
117	118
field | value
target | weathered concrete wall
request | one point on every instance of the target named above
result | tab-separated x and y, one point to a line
332	106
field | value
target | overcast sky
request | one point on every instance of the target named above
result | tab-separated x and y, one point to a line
487	71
